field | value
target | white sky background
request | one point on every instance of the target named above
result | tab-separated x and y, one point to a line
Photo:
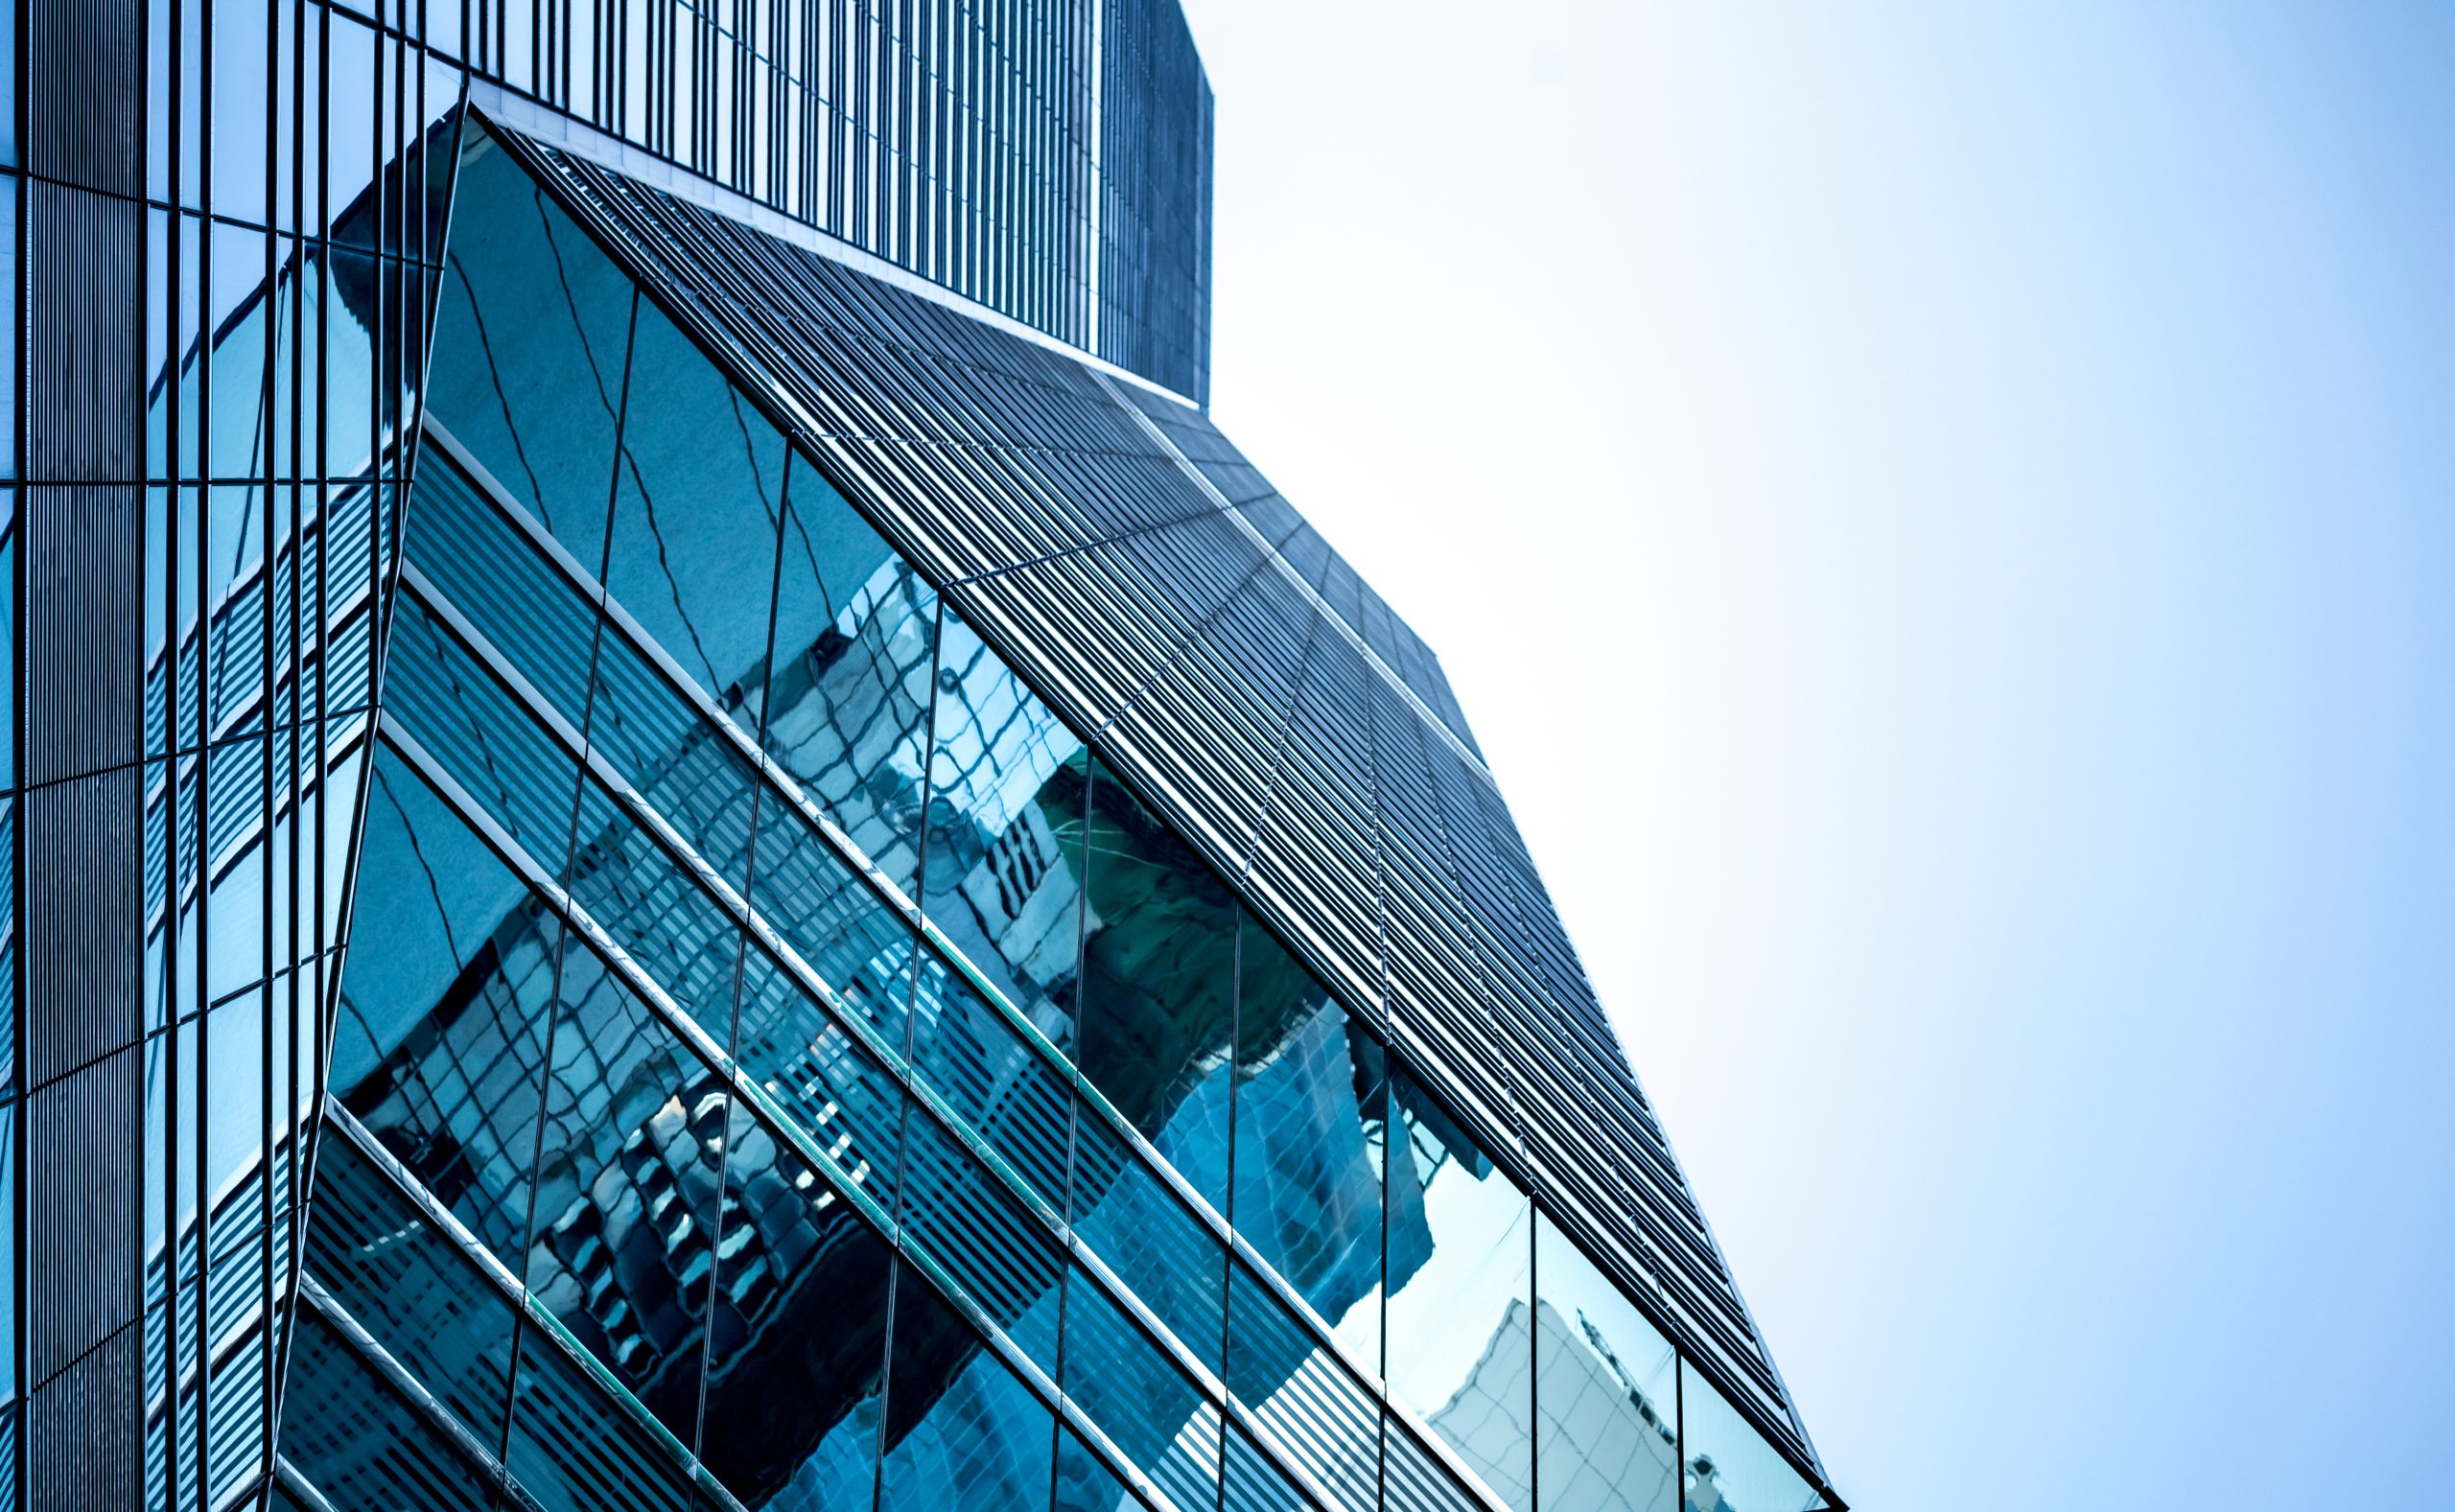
1943	520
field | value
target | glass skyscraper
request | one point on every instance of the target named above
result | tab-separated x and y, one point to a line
684	838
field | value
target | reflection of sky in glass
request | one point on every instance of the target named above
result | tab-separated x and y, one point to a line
1441	1318
1606	1391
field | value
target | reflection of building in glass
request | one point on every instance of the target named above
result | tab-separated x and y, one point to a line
1606	1446
685	838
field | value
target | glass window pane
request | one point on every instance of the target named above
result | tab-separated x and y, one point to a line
802	1290
1158	997
696	514
483	738
1006	784
530	349
1144	1232
1311	1133
1330	1420
848	699
9	272
1011	1093
242	331
1608	1437
1458	1245
440	1041
8	955
962	1433
1083	1481
407	1284
1145	1405
576	1449
843	930
630	1167
827	1083
1249	1483
493	572
1730	1468
355	1440
9	1250
1002	1256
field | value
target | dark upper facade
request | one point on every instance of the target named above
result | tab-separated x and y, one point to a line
684	835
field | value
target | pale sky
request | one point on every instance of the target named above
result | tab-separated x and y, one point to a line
1943	518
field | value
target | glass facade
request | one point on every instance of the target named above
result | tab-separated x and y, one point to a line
657	868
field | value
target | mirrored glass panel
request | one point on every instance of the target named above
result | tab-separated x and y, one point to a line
1083	1481
1728	1466
530	349
1160	975
1301	1396
630	1166
848	695
1606	1390
799	1332
1004	832
1312	1131
962	1433
1140	1400
439	1033
1459	1243
697	515
355	1440
409	1285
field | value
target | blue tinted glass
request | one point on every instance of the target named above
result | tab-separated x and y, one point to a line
8	1248
531	337
655	910
1147	1236
1606	1390
351	318
243	330
9	262
234	915
830	1086
1083	1481
800	1333
1249	1483
1009	1091
1729	1467
1304	1398
847	700
241	154
843	930
1311	1133
8	955
576	1448
356	1441
697	515
695	777
1158	997
467	721
1004	832
630	1166
496	576
1459	1242
407	1284
1145	1405
1002	1256
962	1433
439	1034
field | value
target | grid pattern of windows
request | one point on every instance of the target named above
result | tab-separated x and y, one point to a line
219	322
1166	616
915	937
221	238
775	1001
